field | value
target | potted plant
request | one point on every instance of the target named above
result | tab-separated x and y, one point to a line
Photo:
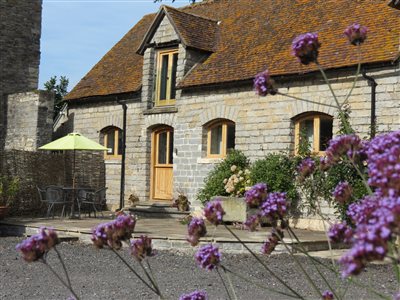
9	187
235	185
181	202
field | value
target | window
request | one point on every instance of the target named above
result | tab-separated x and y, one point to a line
112	139
316	129
167	62
220	138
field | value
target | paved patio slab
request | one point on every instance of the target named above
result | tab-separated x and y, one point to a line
166	233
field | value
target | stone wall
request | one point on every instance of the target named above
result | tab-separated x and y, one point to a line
20	28
265	125
45	168
30	120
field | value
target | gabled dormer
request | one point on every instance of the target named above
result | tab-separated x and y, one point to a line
173	44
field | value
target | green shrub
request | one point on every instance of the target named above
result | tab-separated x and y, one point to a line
214	182
277	171
322	184
344	171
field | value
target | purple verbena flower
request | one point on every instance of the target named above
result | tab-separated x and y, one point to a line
196	230
384	163
141	248
36	246
342	192
208	257
340	232
270	244
263	84
305	169
275	206
396	296
114	232
327	295
196	295
256	195
252	222
349	145
356	33
371	244
214	212
305	47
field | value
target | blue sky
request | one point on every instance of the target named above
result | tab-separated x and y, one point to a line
77	33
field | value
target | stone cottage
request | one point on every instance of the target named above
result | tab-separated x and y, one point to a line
186	77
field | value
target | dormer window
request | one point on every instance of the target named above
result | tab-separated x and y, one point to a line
167	61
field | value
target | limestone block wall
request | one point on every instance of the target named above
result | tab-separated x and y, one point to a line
90	118
20	28
30	120
165	32
265	124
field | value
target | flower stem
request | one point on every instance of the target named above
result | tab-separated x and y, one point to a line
301	267
365	182
61	280
63	265
305	100
257	284
339	106
316	267
150	279
326	232
302	250
133	270
357	73
263	264
223	282
230	283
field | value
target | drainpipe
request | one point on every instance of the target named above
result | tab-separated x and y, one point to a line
122	188
372	83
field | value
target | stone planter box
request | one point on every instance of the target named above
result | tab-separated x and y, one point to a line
235	208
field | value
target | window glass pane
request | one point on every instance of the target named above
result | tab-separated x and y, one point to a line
162	148
173	75
171	147
230	140
110	141
120	142
164	77
307	132
216	140
326	127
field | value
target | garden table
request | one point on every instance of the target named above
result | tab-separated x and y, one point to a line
72	192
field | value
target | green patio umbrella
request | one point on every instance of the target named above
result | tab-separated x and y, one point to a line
74	141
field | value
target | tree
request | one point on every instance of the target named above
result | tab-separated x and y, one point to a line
60	90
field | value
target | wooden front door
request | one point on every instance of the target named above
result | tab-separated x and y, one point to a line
162	163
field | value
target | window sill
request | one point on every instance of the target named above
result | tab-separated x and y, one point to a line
115	161
161	110
209	160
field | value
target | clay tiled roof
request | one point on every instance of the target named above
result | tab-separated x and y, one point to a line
196	32
119	71
193	31
252	37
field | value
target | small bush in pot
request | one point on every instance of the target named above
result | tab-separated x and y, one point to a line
9	187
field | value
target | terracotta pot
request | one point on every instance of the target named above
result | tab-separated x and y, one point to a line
3	212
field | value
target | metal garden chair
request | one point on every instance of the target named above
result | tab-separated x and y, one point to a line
52	196
96	200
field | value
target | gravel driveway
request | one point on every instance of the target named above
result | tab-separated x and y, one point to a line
98	274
